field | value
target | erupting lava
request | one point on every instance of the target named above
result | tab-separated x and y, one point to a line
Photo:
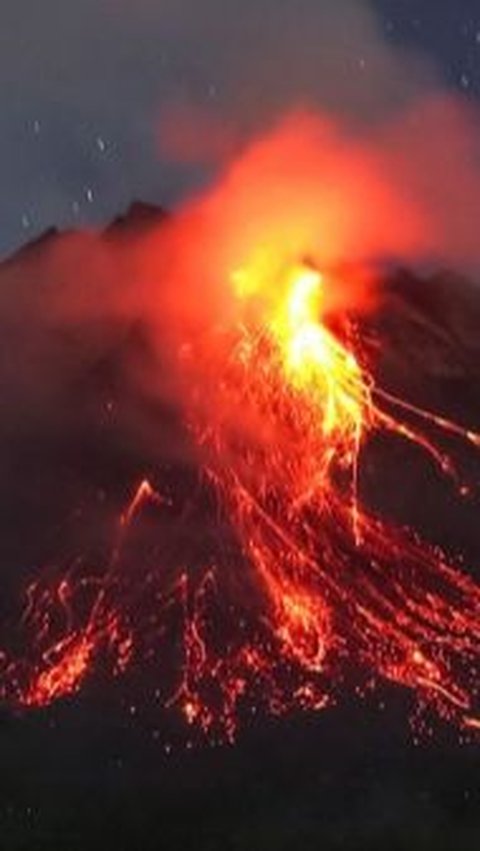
338	581
282	403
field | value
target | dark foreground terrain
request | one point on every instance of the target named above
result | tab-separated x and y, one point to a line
81	779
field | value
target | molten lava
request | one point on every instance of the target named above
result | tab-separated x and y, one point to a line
337	580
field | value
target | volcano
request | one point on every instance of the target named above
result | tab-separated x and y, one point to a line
113	528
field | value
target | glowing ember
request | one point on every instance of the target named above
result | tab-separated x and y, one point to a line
63	674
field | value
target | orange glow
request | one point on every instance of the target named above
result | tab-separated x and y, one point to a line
63	675
304	189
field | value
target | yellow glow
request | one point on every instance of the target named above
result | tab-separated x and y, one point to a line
313	360
297	325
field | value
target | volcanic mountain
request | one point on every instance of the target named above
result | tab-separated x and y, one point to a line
80	434
81	430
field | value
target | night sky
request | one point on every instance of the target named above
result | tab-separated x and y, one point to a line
86	86
90	94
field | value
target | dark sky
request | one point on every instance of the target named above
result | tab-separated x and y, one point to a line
85	85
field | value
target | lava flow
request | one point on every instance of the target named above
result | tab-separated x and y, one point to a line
338	581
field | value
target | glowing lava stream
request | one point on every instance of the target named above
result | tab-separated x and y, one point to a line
290	407
337	578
